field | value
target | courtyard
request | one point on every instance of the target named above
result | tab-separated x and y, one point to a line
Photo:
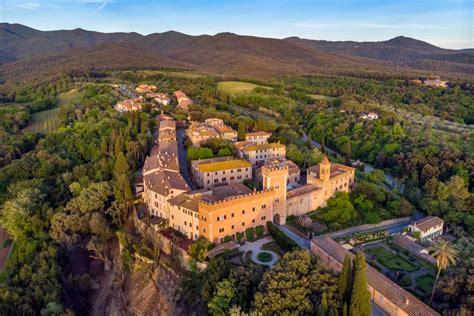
264	252
409	271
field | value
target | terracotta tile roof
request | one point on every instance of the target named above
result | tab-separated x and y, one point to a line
413	247
241	144
258	133
305	188
428	222
163	181
224	129
390	290
176	238
263	147
336	169
188	200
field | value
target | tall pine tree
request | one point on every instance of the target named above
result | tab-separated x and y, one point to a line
360	300
345	280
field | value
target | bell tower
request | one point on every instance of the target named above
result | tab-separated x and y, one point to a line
325	169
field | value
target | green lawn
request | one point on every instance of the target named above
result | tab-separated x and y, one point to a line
322	97
425	283
48	120
391	260
235	87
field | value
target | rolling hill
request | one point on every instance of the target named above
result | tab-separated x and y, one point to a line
403	51
27	53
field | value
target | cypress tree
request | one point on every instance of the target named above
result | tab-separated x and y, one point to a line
345	280
241	131
360	300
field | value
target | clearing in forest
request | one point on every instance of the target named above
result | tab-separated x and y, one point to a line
48	120
235	87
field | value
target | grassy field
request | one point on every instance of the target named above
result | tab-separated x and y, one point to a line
322	97
234	87
48	120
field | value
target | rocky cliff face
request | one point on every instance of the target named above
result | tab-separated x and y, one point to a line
134	293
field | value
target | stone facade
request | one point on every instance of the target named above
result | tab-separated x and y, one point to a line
260	153
208	173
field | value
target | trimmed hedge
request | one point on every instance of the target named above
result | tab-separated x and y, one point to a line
238	236
249	233
280	238
227	238
259	231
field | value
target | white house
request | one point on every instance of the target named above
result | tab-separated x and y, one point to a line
429	228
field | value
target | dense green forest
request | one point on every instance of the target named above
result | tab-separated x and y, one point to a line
69	190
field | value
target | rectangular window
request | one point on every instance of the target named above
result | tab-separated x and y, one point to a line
243	211
263	218
232	215
243	223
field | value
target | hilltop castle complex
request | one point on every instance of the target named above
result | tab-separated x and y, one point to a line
223	205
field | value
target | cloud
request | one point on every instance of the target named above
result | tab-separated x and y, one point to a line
101	6
28	5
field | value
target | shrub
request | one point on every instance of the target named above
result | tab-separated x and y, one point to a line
264	256
238	236
406	281
280	238
6	243
249	233
227	238
198	249
259	231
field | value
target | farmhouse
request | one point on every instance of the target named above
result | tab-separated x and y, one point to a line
428	228
258	137
161	98
198	133
183	100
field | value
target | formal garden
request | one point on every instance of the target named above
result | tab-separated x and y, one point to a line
409	271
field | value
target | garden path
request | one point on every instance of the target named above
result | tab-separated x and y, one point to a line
256	248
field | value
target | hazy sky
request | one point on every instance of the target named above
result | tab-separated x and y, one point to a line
447	23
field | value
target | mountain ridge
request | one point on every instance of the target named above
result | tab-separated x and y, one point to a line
226	53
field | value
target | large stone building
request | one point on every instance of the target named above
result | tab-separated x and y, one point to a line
198	133
161	177
211	172
224	206
258	137
257	153
386	294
